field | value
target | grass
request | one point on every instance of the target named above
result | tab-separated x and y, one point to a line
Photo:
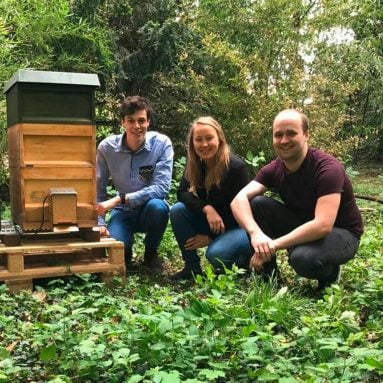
231	328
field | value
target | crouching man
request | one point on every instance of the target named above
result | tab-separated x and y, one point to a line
139	162
318	221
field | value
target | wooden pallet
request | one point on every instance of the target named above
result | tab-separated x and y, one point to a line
19	265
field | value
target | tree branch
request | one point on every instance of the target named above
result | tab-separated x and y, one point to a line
369	198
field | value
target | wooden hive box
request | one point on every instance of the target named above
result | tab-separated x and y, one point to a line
52	149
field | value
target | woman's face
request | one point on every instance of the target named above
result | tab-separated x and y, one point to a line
205	142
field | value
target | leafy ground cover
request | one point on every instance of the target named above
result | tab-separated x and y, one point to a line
231	328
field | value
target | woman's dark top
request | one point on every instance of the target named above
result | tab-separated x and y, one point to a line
234	179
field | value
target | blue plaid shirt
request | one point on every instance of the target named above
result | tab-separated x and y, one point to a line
143	175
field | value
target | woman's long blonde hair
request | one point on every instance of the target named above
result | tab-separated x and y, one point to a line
193	166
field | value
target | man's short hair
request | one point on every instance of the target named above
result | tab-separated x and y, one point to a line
305	122
304	118
133	104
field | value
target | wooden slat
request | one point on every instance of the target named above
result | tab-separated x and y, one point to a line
58	173
60	271
60	246
57	129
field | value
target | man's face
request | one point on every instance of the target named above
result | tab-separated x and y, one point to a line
136	126
289	140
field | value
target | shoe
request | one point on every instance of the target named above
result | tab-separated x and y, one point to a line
334	277
128	256
270	272
186	274
152	261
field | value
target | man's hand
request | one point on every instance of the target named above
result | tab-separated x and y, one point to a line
214	220
197	242
104	232
105	206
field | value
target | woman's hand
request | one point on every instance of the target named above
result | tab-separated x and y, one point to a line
197	242
214	220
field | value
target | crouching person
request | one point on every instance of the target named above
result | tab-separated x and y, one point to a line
318	221
140	163
202	217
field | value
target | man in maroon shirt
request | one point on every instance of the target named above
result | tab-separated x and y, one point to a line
318	221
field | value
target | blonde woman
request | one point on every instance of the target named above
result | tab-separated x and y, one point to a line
202	217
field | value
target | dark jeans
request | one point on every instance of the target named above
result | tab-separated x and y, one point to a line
151	219
226	249
313	260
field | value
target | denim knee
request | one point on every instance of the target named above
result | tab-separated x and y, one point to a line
157	209
177	210
213	255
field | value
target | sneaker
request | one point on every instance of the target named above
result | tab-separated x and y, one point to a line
153	262
186	274
334	277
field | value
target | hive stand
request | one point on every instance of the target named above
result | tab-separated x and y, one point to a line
20	265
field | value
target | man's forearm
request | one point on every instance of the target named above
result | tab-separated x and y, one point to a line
241	209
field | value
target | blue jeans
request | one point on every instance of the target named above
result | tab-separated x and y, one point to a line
151	218
231	247
313	260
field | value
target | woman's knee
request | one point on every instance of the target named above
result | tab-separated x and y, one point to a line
179	212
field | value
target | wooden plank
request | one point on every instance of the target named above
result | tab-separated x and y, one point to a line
60	245
52	148
15	262
58	164
57	129
59	174
61	271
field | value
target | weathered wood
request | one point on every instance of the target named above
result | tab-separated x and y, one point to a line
48	156
19	285
20	265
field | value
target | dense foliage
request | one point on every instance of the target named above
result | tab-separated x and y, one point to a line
231	328
240	61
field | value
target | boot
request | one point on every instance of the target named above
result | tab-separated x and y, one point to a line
186	274
334	277
152	261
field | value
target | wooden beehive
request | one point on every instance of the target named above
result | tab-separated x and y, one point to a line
52	149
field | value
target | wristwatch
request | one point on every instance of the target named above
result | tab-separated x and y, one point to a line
122	198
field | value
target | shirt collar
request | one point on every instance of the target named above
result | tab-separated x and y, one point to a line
121	146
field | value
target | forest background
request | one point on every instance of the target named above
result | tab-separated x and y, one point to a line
239	61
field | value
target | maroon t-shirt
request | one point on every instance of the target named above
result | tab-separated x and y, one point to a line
320	174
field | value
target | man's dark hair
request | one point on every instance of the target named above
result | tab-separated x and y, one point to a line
133	104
